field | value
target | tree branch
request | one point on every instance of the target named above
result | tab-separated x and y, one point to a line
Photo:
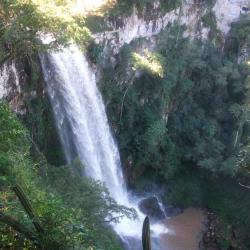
28	208
245	186
125	93
113	219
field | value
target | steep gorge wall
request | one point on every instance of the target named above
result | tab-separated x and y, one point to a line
151	22
123	30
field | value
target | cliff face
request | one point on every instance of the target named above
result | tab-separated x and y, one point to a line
151	22
123	30
10	86
22	86
228	11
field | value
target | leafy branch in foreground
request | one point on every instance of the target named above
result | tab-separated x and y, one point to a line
28	208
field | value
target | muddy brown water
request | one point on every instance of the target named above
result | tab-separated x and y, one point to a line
184	231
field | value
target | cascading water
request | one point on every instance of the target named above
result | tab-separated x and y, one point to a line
83	126
81	120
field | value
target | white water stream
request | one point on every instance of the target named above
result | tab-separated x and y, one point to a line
83	127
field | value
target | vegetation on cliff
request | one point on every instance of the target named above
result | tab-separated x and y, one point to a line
193	114
126	6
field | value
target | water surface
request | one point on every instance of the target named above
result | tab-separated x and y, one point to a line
184	230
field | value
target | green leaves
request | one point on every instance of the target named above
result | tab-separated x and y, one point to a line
187	114
24	22
155	133
149	62
126	6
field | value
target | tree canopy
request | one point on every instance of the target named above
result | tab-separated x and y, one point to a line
24	24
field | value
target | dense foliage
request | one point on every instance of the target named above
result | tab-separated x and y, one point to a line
23	23
73	210
126	6
191	115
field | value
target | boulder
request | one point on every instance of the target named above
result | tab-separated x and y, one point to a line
151	208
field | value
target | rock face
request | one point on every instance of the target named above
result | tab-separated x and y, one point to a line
125	29
10	88
148	25
150	206
228	11
20	84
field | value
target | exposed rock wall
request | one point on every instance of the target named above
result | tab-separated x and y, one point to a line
149	24
228	11
10	88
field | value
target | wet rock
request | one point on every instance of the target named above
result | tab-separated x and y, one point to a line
151	207
246	9
172	211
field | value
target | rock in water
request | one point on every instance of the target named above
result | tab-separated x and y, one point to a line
151	207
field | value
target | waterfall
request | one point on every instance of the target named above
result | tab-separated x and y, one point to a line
83	128
81	119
